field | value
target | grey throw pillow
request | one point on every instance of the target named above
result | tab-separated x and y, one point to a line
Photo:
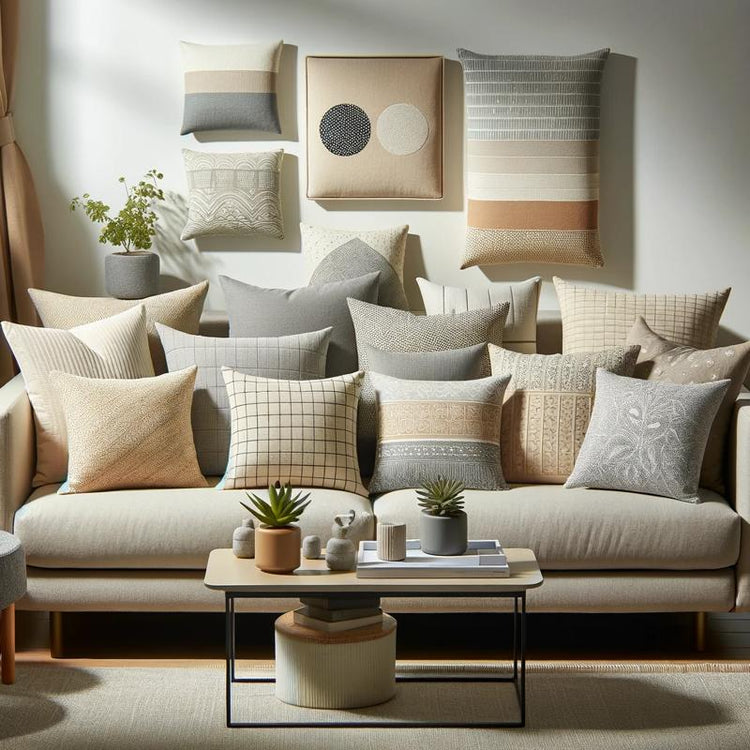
646	436
298	357
254	311
454	364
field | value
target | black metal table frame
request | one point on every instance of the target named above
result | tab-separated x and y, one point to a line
518	676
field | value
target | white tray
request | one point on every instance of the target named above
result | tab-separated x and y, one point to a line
484	558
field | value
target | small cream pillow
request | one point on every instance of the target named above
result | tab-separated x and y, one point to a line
125	434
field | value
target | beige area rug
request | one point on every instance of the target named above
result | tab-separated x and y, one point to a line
648	706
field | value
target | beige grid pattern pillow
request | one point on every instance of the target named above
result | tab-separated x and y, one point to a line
298	431
595	319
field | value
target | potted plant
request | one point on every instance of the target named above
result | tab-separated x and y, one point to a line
277	539
132	273
443	528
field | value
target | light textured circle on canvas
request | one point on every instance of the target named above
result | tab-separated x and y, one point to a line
402	129
345	129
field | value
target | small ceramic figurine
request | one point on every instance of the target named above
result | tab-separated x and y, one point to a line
311	547
243	539
341	554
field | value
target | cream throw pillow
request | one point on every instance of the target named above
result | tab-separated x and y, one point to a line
125	434
113	348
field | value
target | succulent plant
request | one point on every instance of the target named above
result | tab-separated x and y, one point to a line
441	497
281	509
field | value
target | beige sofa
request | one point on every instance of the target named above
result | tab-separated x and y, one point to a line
600	551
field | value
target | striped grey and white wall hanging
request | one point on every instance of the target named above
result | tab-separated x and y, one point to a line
533	158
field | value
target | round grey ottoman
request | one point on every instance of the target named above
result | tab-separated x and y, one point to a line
12	588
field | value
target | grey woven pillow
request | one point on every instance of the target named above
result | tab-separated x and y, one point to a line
299	357
647	436
254	311
454	364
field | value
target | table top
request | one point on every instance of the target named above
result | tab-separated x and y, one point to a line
225	572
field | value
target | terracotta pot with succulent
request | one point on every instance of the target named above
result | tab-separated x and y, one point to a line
134	272
443	528
278	539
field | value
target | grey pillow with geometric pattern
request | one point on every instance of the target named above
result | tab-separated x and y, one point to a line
647	436
298	357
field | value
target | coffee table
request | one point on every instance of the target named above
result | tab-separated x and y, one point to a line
240	579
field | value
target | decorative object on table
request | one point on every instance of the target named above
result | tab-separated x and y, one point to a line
12	588
335	254
532	124
522	298
663	360
647	437
231	86
277	539
375	127
134	273
336	615
311	547
233	193
443	525
594	319
430	427
547	407
180	309
341	554
391	539
484	558
243	540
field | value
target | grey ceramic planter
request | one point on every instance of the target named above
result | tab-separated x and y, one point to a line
131	275
443	535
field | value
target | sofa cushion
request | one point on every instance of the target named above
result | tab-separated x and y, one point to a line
592	529
173	528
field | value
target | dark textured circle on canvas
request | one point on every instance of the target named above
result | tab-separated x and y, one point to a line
345	129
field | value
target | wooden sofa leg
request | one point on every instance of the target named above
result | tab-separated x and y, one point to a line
701	626
56	648
8	644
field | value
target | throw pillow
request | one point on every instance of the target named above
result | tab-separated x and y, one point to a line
663	360
427	428
298	431
129	433
547	408
595	319
647	437
113	348
180	309
533	157
454	364
521	296
335	254
254	311
233	194
230	86
301	357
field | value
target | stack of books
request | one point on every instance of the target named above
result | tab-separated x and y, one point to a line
339	614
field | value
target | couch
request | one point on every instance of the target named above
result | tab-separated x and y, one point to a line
600	551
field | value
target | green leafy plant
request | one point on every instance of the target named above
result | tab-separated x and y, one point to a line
441	497
281	508
135	224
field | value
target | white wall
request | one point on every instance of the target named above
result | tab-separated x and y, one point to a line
100	94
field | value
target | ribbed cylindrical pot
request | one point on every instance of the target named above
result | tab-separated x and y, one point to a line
443	535
277	549
391	539
131	275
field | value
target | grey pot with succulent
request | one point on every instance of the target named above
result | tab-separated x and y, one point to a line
132	273
443	525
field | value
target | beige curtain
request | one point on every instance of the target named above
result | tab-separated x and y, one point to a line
21	235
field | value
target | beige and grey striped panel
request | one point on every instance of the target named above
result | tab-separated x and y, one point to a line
594	319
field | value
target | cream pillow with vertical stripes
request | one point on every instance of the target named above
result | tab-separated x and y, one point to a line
113	348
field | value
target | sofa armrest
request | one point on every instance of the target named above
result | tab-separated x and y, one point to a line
739	494
16	449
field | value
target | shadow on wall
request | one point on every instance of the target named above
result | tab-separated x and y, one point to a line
413	267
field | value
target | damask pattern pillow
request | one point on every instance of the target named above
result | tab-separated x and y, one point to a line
521	296
233	194
533	157
664	361
431	428
594	319
335	254
231	86
300	357
547	408
647	437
